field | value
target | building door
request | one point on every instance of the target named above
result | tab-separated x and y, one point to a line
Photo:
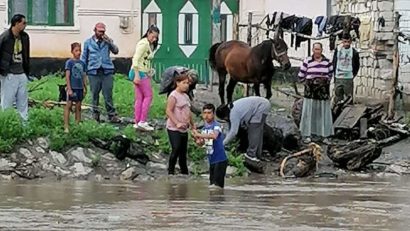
186	32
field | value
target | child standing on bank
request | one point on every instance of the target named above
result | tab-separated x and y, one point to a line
178	122
211	138
76	80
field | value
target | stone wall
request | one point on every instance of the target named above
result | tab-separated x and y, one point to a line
375	78
403	7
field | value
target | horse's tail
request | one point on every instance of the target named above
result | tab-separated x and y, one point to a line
212	52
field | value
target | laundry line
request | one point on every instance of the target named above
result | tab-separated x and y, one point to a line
258	26
303	35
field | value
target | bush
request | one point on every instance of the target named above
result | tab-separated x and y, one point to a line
6	145
11	130
10	125
80	134
236	160
46	88
43	121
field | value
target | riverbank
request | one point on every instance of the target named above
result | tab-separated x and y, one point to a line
46	123
41	150
35	160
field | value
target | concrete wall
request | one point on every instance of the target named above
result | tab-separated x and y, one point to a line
307	8
54	42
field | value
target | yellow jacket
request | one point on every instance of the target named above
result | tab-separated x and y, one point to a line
141	60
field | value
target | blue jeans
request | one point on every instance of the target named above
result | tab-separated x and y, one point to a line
104	83
14	90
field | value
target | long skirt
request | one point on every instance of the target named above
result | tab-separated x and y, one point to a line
316	118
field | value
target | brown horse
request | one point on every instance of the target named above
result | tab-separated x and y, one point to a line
247	65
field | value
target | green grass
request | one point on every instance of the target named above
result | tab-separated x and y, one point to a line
49	123
123	95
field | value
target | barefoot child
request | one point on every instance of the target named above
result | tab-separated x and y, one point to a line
179	120
211	138
76	85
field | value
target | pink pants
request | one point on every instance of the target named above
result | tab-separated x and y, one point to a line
143	99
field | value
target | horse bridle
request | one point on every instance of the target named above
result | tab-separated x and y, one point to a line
275	52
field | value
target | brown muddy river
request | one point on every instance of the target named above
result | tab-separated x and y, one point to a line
180	204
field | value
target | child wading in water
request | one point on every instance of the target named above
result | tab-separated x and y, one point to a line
211	138
76	85
179	121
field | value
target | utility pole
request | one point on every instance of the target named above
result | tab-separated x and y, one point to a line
216	30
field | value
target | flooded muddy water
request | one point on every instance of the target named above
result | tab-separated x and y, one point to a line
253	203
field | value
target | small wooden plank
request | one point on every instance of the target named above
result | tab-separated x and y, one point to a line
363	128
350	116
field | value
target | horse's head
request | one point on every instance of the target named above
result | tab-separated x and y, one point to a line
280	51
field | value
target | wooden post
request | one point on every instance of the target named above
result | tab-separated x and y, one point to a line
363	128
216	30
249	40
392	98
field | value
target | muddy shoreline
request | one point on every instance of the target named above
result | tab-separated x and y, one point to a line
35	160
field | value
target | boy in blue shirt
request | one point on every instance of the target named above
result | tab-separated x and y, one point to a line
211	138
76	85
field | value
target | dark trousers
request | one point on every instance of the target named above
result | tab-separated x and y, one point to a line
179	145
255	137
104	83
217	173
343	88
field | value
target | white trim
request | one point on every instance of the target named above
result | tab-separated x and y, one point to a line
3	6
188	49
145	24
152	8
108	12
188	8
229	27
181	28
159	25
195	28
225	9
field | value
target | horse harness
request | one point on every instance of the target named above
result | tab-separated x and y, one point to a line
275	52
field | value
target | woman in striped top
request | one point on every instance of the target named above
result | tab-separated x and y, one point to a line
316	73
